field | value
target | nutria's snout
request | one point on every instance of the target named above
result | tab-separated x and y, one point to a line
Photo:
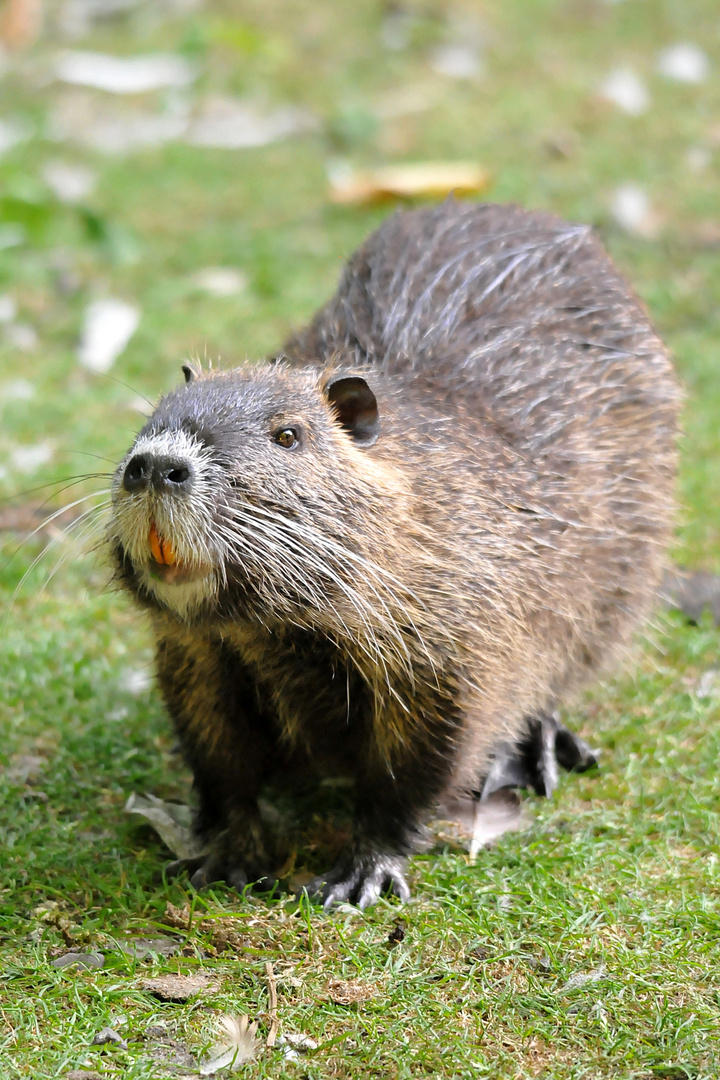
167	496
172	474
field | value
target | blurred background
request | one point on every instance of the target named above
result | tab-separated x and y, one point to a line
185	177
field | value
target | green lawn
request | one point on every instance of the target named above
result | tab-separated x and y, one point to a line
588	946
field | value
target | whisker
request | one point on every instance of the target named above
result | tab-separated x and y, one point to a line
98	457
90	524
70	480
52	517
114	378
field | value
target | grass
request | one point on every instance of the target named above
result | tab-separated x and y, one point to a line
586	947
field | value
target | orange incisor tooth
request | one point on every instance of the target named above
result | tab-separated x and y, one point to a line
162	550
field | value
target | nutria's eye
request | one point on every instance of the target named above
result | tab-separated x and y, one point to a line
287	438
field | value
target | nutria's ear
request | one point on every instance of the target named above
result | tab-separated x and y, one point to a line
191	370
356	407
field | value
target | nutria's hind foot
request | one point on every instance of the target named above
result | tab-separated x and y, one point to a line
533	761
205	870
361	881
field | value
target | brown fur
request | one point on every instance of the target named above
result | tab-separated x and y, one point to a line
396	611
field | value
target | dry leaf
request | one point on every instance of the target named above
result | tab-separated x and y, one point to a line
237	1044
238	124
82	960
220	281
171	821
684	63
500	813
27	459
630	206
350	992
109	325
424	180
107	1035
70	183
293	1045
139	948
124	74
582	978
110	125
456	60
178	987
626	90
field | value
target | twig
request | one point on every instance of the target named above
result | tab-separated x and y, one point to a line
272	991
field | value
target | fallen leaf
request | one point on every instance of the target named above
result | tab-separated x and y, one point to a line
626	90
707	686
107	1035
70	183
236	123
350	992
300	1042
414	181
293	1045
109	325
140	948
21	336
456	60
500	813
12	132
684	63
89	960
112	126
220	281
237	1044
27	459
124	75
171	821
582	978
631	209
136	681
178	987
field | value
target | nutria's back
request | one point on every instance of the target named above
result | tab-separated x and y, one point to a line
517	314
520	321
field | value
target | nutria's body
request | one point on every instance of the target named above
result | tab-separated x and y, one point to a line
467	519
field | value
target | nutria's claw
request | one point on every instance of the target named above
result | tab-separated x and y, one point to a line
361	882
205	870
533	761
179	866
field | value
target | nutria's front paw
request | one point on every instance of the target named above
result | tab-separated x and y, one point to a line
361	881
236	855
206	869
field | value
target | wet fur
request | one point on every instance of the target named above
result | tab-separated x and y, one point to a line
395	612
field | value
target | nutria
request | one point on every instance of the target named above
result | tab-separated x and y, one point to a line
392	551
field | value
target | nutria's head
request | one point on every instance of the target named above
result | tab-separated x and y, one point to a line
243	494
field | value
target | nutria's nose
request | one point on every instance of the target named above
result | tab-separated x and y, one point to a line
164	473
